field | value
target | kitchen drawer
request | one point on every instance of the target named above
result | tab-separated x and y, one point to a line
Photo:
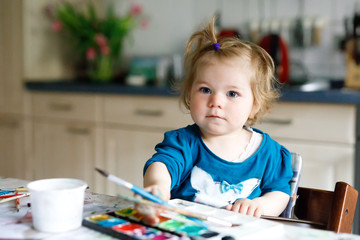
159	112
66	106
314	122
323	163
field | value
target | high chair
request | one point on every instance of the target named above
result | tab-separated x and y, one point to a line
296	165
321	209
315	208
330	210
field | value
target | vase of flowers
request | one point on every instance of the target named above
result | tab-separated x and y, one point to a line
97	40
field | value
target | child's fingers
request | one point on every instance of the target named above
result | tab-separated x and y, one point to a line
228	207
151	220
241	206
258	213
145	209
150	213
246	206
251	210
155	191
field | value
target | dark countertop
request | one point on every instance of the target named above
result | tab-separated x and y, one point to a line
335	96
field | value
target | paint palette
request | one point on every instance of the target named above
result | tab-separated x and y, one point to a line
125	229
127	224
171	222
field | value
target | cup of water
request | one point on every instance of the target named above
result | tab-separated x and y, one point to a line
57	204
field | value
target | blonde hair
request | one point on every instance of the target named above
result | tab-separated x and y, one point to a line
200	47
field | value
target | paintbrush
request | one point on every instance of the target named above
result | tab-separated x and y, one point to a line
133	188
18	189
154	199
17	203
14	197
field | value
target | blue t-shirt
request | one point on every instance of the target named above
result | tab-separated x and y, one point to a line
199	175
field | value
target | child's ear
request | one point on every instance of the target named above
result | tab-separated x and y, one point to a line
255	109
188	97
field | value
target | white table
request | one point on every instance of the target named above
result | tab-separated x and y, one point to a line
18	225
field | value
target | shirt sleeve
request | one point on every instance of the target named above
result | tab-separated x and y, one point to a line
175	152
278	173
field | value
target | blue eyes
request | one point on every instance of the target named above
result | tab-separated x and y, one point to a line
205	90
231	94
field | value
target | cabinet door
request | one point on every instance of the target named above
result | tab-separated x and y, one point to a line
11	86
323	163
12	162
304	122
148	112
126	151
64	150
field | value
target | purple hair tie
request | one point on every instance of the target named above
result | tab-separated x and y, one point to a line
216	46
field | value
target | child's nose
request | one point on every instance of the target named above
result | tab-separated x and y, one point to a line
216	101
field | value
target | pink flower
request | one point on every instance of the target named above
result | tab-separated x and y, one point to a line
135	9
105	50
90	53
100	40
56	26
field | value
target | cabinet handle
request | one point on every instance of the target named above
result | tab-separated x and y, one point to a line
9	124
150	113
277	121
61	106
78	131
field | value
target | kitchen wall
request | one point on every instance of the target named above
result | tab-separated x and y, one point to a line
173	21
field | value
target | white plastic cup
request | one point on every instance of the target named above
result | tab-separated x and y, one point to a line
57	204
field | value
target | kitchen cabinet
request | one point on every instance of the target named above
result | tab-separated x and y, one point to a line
126	151
64	150
323	134
323	163
73	133
13	122
65	136
12	163
133	126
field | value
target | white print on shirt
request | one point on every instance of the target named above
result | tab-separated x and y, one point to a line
219	194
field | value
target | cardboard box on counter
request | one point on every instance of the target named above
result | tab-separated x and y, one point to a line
353	64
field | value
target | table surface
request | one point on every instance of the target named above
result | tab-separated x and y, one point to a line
18	225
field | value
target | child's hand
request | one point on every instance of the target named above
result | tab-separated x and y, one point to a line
246	206
150	213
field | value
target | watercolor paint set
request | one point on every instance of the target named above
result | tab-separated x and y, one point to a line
127	224
124	228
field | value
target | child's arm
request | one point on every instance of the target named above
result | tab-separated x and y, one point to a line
272	204
157	180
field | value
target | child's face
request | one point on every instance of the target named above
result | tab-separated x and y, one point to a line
221	100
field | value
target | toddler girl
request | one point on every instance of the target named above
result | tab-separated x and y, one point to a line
220	160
